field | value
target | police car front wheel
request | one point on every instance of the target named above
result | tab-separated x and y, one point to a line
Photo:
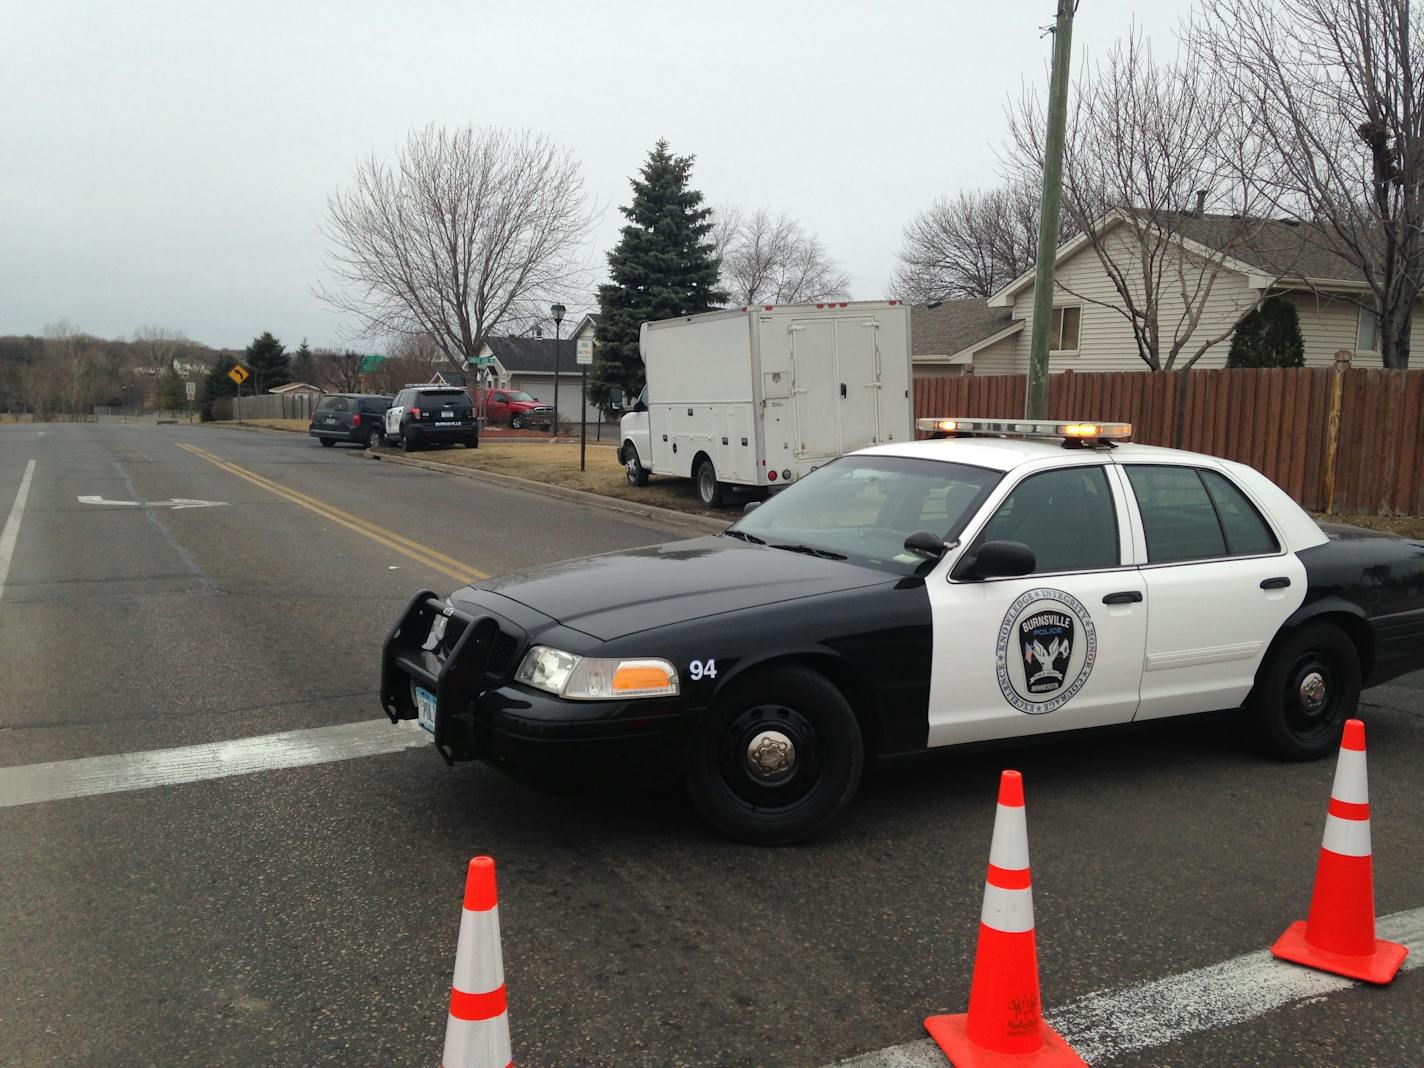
777	759
1308	685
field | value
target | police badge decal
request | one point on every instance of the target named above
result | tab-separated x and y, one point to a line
1045	652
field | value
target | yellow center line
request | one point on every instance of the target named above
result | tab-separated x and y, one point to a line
423	554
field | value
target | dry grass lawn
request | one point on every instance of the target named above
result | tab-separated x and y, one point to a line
299	425
559	465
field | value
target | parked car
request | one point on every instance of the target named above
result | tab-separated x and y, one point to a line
354	418
515	408
1019	579
432	415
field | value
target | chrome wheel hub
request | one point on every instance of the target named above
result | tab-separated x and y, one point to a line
771	754
1312	692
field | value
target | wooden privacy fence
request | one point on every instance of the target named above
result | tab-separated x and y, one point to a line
1341	439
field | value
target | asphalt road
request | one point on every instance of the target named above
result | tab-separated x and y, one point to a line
308	915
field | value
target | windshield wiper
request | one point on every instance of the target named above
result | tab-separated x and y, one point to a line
811	550
744	536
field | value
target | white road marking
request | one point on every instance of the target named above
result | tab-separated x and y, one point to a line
1109	1023
175	503
29	784
11	533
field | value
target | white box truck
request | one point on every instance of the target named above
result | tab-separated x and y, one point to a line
760	396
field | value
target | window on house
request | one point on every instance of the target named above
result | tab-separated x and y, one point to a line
1367	332
1063	329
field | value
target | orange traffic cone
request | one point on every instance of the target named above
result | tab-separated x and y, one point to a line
477	1031
1004	1025
1339	936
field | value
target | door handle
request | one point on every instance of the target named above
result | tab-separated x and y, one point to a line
1279	583
1125	597
843	389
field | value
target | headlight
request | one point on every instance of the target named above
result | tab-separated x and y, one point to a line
581	678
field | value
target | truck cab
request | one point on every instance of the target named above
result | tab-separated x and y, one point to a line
635	431
513	407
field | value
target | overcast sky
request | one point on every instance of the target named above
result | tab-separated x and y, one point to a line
168	163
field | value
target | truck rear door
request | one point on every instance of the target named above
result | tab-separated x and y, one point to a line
858	382
815	387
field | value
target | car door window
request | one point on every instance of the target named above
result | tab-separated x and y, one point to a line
1067	517
1178	516
1246	532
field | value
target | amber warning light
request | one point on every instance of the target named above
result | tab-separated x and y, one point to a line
1021	428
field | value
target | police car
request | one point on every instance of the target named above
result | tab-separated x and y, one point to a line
1008	579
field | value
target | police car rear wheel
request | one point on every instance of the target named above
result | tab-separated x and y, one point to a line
1308	686
778	758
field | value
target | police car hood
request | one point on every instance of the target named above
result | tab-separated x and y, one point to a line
621	593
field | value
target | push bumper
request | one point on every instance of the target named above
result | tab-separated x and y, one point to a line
481	714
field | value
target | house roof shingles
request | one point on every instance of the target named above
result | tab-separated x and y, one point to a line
533	354
945	327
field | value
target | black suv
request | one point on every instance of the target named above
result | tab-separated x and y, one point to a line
432	415
356	418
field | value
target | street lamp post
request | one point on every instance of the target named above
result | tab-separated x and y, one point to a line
557	311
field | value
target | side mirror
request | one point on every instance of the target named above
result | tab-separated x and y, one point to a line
615	398
750	506
997	559
923	543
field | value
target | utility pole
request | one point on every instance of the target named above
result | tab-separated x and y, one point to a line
1036	395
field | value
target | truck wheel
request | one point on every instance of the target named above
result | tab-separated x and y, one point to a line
633	467
326	443
516	423
712	492
1304	692
375	439
777	758
408	441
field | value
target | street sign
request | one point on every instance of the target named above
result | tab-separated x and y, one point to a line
192	388
239	374
483	361
583	354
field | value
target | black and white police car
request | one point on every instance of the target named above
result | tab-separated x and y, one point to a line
1009	579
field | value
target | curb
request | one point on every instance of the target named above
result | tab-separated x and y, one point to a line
662	516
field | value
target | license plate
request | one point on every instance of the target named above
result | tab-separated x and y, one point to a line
329	419
425	708
447	415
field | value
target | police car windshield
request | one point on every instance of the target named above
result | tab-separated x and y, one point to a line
863	508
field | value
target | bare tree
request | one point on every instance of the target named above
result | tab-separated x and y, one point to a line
970	245
1143	138
337	371
770	259
156	347
467	231
1338	104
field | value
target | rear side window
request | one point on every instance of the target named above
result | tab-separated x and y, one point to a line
375	404
1066	517
333	404
1246	532
1195	515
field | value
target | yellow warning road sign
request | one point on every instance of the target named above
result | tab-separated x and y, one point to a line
239	374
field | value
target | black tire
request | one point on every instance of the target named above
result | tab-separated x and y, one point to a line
771	805
408	443
711	492
633	468
516	423
472	443
375	439
326	443
1308	686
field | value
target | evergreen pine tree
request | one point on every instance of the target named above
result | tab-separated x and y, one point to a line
1269	336
303	366
217	384
663	266
268	361
170	394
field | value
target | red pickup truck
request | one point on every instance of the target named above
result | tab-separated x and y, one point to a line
513	407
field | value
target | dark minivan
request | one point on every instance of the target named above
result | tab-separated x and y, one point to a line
432	415
357	418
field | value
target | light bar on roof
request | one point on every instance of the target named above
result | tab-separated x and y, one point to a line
1076	429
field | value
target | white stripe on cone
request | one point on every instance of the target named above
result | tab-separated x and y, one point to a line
1010	911
1009	846
479	965
1352	782
1348	838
